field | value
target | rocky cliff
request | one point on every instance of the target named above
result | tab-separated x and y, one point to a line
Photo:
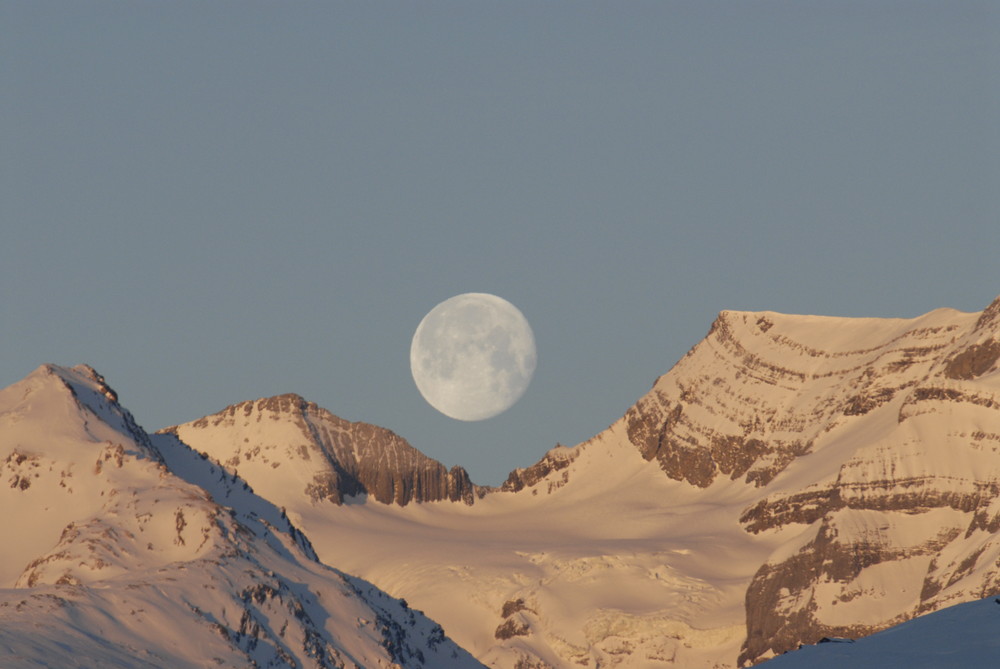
296	443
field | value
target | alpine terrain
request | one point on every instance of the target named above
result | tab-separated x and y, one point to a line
119	552
791	479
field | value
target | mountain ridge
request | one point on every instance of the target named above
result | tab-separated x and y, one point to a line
790	478
812	431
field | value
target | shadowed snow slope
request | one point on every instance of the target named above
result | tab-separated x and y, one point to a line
791	478
111	559
960	636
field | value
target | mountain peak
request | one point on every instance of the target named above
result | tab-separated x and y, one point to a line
86	406
277	442
762	389
79	379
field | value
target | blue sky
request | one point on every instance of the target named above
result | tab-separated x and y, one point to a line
214	202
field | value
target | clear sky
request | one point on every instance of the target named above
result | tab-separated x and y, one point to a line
215	202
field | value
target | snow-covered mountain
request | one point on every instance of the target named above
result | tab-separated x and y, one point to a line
290	443
119	552
791	478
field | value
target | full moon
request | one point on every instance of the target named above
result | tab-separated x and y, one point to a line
473	356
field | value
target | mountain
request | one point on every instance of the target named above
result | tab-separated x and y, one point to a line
122	552
286	442
791	478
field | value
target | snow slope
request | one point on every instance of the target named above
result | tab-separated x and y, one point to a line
964	635
112	559
792	477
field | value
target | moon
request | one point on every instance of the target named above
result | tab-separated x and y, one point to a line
473	356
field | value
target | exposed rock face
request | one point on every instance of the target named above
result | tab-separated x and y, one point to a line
555	460
974	361
341	459
750	398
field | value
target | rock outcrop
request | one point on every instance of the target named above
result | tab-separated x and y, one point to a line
559	458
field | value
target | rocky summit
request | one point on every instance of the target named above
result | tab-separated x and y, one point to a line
322	455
